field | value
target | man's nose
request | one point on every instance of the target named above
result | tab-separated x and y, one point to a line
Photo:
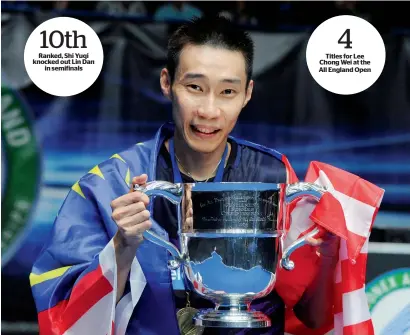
209	108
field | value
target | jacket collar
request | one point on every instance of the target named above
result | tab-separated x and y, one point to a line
165	131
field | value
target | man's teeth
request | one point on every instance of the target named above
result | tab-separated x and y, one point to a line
205	131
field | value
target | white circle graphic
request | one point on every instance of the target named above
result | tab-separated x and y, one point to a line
63	56
345	54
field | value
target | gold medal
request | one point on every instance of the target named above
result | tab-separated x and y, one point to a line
185	320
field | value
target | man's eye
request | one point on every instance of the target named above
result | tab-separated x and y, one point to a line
228	91
194	87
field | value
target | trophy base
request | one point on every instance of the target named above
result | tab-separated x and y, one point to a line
231	319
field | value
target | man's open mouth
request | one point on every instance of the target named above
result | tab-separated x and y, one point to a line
204	130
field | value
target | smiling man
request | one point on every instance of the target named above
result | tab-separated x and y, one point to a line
208	79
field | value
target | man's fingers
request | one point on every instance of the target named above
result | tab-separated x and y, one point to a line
143	197
139	228
188	196
189	222
189	212
126	211
135	233
134	220
140	180
313	241
130	213
125	200
129	198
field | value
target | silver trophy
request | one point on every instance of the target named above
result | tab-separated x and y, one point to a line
230	238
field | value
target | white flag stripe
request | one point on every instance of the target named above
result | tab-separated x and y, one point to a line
358	215
108	263
343	256
365	247
356	303
97	320
137	281
126	305
300	221
123	314
324	180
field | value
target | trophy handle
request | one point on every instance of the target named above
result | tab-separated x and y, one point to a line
293	191
173	193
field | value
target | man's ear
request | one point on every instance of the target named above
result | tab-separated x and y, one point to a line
165	82
249	91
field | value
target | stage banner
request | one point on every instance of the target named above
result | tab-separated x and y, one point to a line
388	287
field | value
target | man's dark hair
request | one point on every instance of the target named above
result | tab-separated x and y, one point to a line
214	31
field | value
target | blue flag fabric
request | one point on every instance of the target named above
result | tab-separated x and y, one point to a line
74	278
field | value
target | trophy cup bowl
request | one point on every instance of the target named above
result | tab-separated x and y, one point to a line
230	240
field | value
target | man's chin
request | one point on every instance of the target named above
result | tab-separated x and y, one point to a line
202	145
201	149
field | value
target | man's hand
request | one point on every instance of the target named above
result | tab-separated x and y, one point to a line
188	209
314	308
131	216
328	245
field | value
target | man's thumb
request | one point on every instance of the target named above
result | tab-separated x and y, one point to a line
140	180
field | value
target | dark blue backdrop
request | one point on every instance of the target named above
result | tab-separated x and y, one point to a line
367	134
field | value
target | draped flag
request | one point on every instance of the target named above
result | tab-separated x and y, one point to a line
348	210
74	281
90	305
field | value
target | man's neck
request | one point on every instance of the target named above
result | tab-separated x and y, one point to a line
199	166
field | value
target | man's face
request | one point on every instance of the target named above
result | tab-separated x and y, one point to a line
208	94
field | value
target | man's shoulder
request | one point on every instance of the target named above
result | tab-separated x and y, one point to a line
258	149
259	163
125	164
138	154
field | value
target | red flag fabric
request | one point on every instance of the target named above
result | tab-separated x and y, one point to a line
348	210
